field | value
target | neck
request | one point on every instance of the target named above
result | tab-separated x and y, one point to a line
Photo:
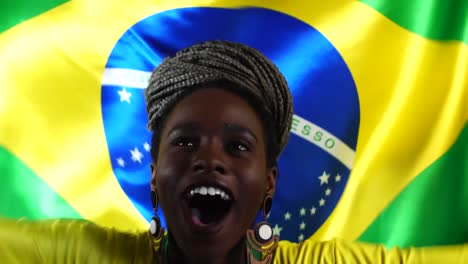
235	256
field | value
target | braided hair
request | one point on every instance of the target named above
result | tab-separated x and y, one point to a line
233	66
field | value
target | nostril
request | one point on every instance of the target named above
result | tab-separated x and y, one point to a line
202	166
220	169
199	165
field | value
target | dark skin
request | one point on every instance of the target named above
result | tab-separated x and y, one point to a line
212	137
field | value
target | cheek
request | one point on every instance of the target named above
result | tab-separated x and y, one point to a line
168	172
252	171
171	164
252	183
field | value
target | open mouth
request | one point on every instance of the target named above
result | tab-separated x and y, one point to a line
208	205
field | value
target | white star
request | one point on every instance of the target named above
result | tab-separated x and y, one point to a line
302	211
302	226
300	237
324	178
147	147
124	95
136	155
313	210
337	178
287	216
121	162
277	230
322	202
327	192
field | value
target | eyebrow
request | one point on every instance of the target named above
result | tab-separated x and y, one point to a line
184	126
239	129
228	127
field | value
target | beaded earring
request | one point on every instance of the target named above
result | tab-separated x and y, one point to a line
261	242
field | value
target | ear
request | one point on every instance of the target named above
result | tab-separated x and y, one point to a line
272	174
153	176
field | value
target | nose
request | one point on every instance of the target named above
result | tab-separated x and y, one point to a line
210	158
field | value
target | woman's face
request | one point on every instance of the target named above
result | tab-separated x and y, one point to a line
211	173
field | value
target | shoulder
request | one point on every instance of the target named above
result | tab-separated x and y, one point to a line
340	251
112	244
309	251
79	241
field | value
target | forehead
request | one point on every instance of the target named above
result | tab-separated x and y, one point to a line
214	107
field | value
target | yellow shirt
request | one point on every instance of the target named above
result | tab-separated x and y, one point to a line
79	241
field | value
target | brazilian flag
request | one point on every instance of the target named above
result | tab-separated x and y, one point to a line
379	141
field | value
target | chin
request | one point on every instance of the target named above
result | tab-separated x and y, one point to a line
206	247
214	250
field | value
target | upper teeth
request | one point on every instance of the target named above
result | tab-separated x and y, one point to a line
203	190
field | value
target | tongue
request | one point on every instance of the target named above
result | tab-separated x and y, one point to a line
196	217
203	218
208	210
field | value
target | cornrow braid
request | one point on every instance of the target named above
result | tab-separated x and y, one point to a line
241	69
